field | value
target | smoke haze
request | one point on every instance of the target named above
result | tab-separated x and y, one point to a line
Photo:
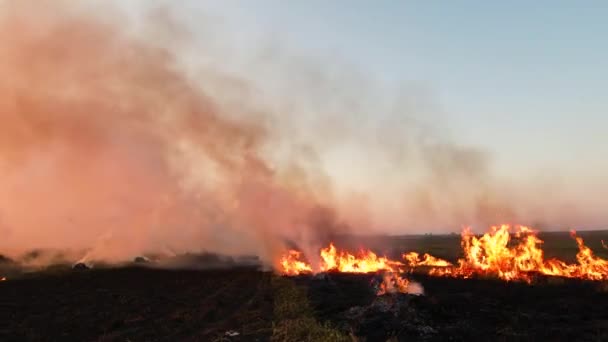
112	146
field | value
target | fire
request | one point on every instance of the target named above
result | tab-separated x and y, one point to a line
589	266
3	279
413	260
393	283
491	254
505	252
292	265
365	261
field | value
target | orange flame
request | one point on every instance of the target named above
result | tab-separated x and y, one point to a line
413	259
589	266
3	279
365	262
498	253
491	254
292	265
392	283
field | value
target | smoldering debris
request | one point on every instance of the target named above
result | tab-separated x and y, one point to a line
387	317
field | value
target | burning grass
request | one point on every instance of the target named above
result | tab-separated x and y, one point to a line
147	304
505	252
395	283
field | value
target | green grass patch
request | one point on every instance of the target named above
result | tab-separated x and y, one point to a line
294	317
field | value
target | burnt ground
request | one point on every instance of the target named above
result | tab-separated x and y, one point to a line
472	309
145	304
139	304
136	304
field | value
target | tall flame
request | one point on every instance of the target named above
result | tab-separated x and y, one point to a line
500	253
491	255
590	266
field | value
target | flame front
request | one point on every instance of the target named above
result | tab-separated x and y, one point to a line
365	261
413	259
292	265
491	255
498	253
589	265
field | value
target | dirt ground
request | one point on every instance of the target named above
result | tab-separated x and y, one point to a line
477	309
146	304
139	304
136	304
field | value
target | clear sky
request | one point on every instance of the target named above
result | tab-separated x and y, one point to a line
526	80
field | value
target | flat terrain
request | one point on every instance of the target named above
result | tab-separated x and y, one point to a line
145	304
474	309
556	244
136	304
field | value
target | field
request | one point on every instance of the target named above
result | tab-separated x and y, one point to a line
138	303
556	244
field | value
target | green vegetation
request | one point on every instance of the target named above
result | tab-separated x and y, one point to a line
294	317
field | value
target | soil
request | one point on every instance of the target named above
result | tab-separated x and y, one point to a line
142	304
137	304
474	309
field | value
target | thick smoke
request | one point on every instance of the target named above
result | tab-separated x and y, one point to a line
111	147
106	144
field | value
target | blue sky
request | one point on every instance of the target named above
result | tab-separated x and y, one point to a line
526	80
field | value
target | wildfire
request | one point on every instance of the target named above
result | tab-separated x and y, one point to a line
3	279
492	255
392	283
364	262
589	265
509	253
292	265
413	260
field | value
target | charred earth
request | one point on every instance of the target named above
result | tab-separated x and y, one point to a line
243	304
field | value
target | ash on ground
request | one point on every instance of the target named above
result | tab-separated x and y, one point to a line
389	316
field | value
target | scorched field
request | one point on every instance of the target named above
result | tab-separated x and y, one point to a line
144	303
